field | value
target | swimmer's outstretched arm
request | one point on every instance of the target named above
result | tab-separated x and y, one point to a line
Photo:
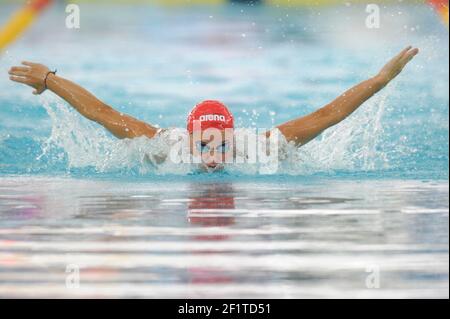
304	129
119	124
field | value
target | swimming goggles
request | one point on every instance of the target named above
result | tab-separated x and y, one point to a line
205	148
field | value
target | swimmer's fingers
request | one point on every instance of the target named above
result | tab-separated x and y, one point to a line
20	68
19	79
19	71
408	56
402	53
394	67
30	64
396	60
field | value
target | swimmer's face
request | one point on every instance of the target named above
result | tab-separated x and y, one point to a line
214	147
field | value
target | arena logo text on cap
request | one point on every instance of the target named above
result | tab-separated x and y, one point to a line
210	114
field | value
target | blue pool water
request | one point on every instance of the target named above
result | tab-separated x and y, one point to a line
370	192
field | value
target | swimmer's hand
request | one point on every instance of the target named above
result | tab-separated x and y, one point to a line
31	74
40	78
304	129
396	65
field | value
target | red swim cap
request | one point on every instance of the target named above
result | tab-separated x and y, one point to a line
211	114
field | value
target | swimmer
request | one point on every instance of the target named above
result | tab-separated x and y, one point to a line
208	114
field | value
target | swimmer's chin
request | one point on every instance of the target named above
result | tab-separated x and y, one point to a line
208	169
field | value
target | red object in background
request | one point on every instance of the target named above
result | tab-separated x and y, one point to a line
441	7
39	5
438	4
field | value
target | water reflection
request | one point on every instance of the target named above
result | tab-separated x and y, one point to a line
23	206
208	199
223	240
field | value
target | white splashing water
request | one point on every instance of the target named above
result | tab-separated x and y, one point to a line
351	145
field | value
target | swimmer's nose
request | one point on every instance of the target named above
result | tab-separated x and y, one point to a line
213	160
